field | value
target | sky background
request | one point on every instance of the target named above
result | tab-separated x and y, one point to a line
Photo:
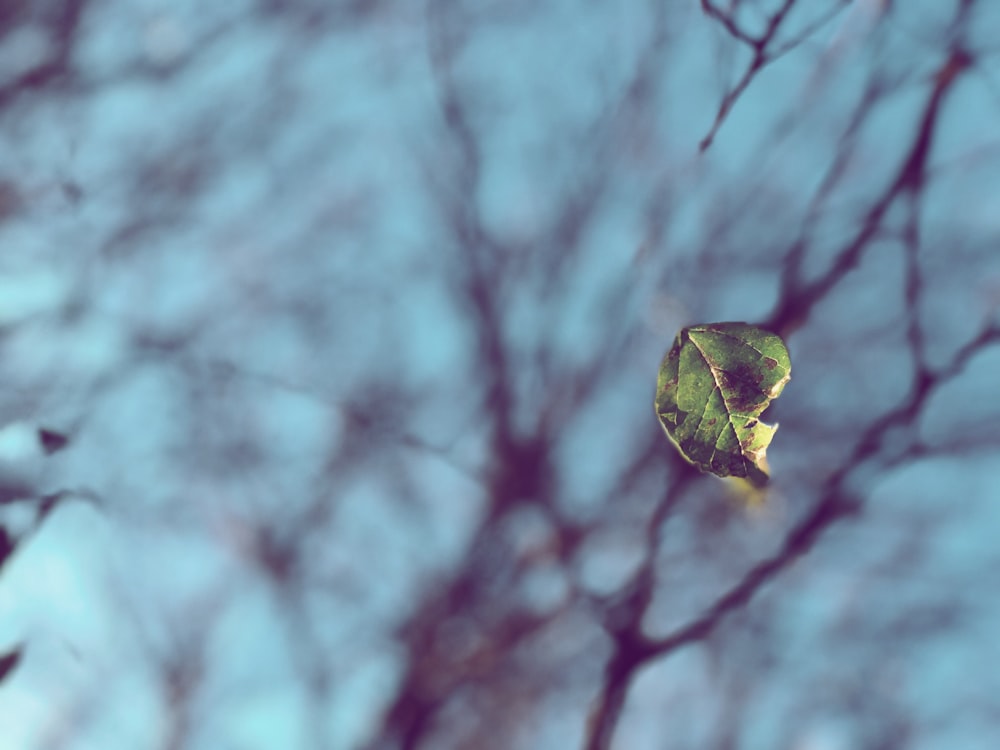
346	305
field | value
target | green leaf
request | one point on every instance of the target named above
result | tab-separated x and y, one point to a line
713	385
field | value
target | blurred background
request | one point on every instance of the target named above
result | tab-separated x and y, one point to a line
329	332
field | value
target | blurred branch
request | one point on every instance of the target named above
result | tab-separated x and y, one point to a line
64	26
762	54
798	298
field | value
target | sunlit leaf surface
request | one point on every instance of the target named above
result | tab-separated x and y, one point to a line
713	385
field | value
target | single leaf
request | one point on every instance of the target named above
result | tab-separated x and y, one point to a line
713	385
